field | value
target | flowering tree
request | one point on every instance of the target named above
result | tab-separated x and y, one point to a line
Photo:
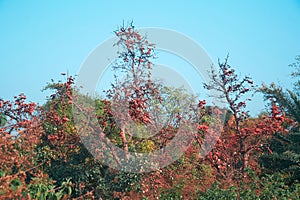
21	174
43	154
20	133
131	96
242	137
284	157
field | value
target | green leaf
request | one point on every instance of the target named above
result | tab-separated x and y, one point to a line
2	173
15	184
2	120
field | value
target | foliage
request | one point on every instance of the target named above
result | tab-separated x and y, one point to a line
40	190
43	155
284	155
289	100
296	74
242	138
68	157
266	187
21	174
284	158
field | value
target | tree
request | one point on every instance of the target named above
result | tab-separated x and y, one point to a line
19	135
21	174
133	103
44	150
139	106
68	158
137	89
285	155
289	100
296	74
243	137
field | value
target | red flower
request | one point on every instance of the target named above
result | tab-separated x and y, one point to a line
65	119
201	104
202	127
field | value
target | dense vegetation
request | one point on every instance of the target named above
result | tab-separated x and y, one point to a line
43	155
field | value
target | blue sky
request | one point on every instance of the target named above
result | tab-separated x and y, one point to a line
41	39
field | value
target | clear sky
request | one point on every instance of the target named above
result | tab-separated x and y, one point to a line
41	39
